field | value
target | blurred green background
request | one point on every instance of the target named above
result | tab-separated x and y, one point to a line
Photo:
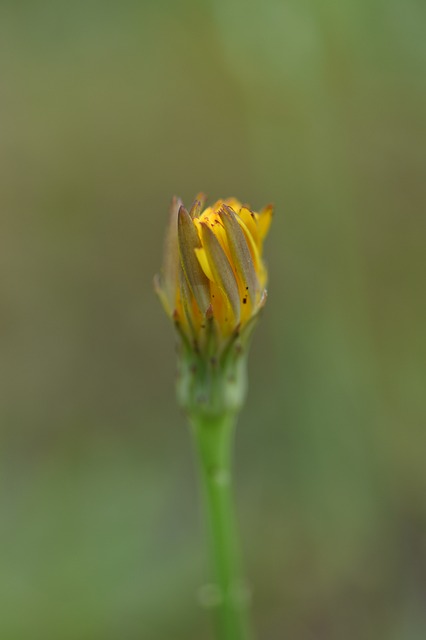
106	111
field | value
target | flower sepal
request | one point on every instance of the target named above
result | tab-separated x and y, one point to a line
209	386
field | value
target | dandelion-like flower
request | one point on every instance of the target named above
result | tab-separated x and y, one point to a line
213	285
213	279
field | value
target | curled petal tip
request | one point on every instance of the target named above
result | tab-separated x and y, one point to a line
197	205
175	205
227	209
181	211
195	210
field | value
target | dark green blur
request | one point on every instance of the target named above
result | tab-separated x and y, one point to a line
106	111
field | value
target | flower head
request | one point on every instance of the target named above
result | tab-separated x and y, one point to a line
213	278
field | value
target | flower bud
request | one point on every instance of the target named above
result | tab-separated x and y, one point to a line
213	272
213	285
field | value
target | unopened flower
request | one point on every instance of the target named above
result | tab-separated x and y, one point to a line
213	278
213	285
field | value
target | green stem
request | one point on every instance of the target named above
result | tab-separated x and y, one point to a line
214	439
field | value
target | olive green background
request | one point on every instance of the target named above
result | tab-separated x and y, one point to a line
107	109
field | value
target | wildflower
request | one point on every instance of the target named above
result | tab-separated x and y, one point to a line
213	279
213	285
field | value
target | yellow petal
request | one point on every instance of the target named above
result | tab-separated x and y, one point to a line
249	219
221	269
254	251
240	254
264	219
202	259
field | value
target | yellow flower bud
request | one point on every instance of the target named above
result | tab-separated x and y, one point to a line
213	277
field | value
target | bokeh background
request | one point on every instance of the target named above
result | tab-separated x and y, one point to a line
106	111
